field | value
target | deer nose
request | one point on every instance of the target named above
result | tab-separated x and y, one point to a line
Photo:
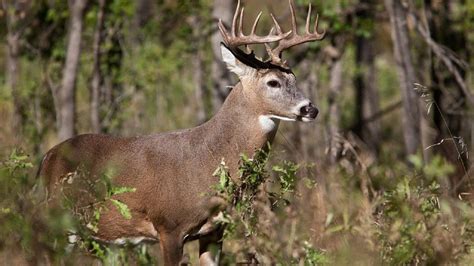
309	111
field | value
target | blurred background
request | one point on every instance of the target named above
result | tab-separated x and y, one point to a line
392	79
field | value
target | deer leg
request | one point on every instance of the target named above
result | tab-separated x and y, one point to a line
171	249
210	247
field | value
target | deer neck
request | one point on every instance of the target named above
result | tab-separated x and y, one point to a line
240	127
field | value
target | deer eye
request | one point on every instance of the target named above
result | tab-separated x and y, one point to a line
273	84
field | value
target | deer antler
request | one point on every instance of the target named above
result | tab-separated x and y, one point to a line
237	37
295	38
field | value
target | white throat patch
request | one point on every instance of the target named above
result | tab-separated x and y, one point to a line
267	123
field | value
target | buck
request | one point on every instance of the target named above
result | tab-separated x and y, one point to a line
172	173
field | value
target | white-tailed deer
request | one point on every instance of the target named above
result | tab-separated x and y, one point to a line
172	172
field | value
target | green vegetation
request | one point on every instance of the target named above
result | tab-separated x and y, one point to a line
409	221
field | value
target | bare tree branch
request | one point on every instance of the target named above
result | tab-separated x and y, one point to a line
443	53
392	107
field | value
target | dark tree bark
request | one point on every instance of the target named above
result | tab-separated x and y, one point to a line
450	120
14	31
13	49
366	91
66	94
334	111
144	12
200	88
199	70
303	134
97	78
220	76
112	93
406	74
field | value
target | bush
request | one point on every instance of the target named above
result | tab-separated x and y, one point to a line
255	221
407	219
419	223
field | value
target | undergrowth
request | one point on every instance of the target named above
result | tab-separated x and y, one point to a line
273	216
255	216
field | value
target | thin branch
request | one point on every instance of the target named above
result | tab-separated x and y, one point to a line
378	115
443	54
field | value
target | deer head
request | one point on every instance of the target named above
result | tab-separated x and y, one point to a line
271	84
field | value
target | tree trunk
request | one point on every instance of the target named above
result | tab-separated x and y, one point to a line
144	12
220	76
112	91
406	73
200	88
12	67
97	79
366	91
303	134
66	94
334	112
198	73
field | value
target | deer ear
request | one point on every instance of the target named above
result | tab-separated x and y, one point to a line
233	64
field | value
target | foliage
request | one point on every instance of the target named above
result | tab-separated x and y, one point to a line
413	222
418	224
28	230
33	229
251	214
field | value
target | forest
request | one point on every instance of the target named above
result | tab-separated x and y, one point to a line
383	176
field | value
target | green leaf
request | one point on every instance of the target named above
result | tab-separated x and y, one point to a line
122	208
98	250
121	190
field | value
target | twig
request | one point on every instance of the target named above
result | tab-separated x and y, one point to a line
378	115
453	139
424	93
442	53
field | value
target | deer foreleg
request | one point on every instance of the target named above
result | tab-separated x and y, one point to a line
171	249
210	247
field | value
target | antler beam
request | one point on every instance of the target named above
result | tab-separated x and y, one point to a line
237	38
285	40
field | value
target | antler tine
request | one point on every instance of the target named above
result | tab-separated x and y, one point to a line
237	37
295	38
273	57
254	27
277	25
271	31
316	23
223	31
308	19
293	17
240	31
234	19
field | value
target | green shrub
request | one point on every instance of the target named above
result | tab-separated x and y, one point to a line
419	223
254	221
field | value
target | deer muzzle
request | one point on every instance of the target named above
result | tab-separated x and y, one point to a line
308	113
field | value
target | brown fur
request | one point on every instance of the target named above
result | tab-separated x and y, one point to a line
172	172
